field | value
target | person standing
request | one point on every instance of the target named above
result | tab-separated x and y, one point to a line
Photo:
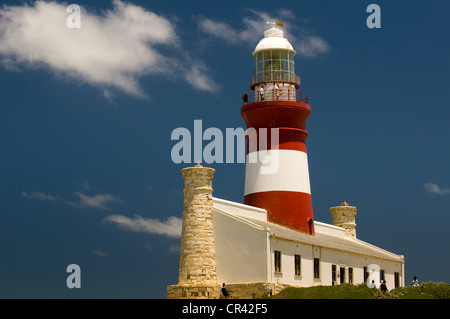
224	291
415	282
383	286
277	91
245	98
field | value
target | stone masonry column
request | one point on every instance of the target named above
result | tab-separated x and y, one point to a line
197	252
344	216
197	277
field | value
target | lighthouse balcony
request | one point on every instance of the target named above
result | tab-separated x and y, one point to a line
281	94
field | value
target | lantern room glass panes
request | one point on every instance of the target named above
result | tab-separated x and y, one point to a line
274	65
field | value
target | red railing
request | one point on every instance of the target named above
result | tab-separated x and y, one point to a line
283	94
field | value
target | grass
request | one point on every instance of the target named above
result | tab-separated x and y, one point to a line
427	290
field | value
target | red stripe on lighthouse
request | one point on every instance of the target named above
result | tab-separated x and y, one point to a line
289	209
276	114
286	139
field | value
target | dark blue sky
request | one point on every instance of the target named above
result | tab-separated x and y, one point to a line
86	117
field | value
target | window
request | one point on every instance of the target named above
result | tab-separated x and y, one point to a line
366	274
259	67
277	256
333	274
350	275
291	56
274	65
316	268
382	274
396	280
297	265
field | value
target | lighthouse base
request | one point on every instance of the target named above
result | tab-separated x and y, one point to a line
249	290
288	209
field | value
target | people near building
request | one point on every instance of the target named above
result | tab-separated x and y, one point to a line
415	282
245	98
224	291
383	286
372	284
261	93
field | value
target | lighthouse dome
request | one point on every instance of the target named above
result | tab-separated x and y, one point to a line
273	39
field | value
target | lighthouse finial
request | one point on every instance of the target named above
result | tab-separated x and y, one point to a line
276	23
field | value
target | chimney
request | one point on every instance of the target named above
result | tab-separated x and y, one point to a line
344	216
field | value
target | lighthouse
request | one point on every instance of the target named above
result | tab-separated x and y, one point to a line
271	241
276	112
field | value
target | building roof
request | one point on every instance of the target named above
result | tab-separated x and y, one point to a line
327	236
274	39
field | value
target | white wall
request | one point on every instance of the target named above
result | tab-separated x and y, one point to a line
245	253
288	249
328	257
241	250
240	210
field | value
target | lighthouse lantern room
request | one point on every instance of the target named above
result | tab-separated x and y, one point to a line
274	63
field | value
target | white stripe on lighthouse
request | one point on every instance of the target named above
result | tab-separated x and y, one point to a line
277	170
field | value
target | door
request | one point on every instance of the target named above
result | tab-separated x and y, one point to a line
342	275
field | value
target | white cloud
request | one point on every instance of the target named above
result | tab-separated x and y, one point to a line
304	41
171	227
312	46
251	31
40	196
111	50
220	30
197	77
435	189
100	253
99	201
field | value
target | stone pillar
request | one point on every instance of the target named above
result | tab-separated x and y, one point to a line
197	252
197	277
344	216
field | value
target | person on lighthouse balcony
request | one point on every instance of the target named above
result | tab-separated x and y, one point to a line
277	91
245	98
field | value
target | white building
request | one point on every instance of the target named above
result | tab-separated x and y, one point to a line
251	249
272	240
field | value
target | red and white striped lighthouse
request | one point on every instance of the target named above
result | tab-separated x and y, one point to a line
276	103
